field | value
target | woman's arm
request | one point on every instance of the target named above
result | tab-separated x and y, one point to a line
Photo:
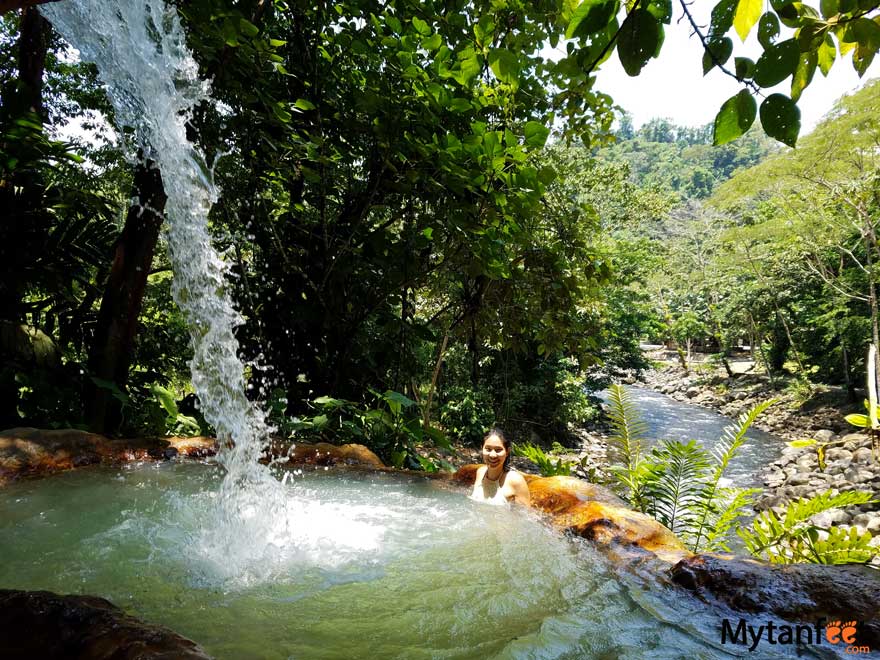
520	489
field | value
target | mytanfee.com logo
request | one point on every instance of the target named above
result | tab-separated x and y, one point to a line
840	634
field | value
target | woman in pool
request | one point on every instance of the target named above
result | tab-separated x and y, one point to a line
496	483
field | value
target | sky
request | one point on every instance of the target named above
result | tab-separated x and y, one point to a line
673	86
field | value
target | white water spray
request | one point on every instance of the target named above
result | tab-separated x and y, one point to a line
152	81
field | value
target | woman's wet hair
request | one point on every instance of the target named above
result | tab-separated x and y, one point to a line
508	445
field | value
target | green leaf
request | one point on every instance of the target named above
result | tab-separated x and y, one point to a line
717	53
661	10
735	117
166	399
433	42
329	402
747	14
247	28
639	37
722	17
861	421
591	17
396	397
535	134
421	26
114	390
304	104
803	75
777	63
866	34
827	53
281	112
829	8
504	64
768	29
781	118
745	68
805	442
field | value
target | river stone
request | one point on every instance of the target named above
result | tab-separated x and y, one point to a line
692	392
323	453
858	475
46	626
853	440
807	461
862	456
823	435
799	479
838	454
555	494
797	592
831	517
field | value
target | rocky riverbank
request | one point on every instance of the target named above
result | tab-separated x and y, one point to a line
848	463
793	416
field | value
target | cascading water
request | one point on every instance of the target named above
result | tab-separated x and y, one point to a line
153	83
152	80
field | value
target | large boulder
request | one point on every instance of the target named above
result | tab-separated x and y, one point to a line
557	494
40	624
323	453
594	513
611	525
796	592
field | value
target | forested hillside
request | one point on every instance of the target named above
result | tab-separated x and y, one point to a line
782	255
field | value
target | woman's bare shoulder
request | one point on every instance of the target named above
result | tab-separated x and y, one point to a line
516	478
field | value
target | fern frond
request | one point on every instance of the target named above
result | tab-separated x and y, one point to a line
725	449
801	509
676	482
625	442
794	538
714	534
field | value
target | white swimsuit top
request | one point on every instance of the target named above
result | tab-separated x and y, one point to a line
495	498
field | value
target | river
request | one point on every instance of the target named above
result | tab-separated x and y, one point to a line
670	419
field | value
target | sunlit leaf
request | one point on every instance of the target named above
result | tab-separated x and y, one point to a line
736	116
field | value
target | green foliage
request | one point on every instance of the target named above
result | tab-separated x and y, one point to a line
547	466
176	423
466	413
677	483
392	428
795	539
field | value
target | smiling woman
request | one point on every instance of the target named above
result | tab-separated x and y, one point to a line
495	482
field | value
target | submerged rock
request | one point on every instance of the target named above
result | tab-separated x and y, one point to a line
40	624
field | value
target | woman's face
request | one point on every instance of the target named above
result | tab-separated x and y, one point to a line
494	451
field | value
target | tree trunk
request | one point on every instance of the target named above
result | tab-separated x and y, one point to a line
871	240
32	47
113	343
850	389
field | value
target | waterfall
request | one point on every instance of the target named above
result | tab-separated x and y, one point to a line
152	80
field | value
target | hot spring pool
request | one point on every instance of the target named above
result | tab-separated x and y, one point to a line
342	566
